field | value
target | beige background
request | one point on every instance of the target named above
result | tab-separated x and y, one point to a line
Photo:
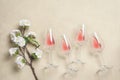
63	16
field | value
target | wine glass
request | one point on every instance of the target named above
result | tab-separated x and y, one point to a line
97	47
80	39
49	47
66	48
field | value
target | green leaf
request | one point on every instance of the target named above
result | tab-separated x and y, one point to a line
26	39
23	61
16	53
34	56
33	41
18	34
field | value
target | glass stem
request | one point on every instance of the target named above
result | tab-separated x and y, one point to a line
79	53
101	59
68	58
50	58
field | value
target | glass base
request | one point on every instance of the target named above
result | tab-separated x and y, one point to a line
50	66
79	61
70	72
104	69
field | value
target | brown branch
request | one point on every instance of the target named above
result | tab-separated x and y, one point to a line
33	71
28	53
23	55
31	66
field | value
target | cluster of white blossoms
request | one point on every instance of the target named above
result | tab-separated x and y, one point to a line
37	54
20	39
20	61
31	34
16	38
13	51
24	23
15	35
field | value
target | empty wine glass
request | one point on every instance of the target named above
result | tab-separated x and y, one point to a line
97	47
80	39
50	46
66	48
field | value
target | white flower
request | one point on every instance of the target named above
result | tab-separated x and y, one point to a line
13	51
20	61
24	23
38	53
31	34
14	34
20	41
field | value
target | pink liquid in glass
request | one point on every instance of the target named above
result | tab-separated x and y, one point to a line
96	44
80	36
65	44
50	40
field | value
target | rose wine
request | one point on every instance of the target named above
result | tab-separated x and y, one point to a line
65	44
81	34
50	40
